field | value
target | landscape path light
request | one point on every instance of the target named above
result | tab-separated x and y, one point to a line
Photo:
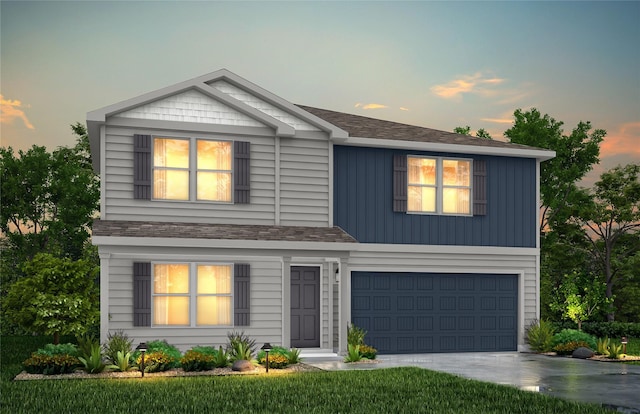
266	348
624	342
142	348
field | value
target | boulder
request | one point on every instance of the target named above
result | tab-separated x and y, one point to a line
242	365
583	353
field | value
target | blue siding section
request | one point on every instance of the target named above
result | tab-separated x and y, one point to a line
363	203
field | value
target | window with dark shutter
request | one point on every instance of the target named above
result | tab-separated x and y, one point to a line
141	294
242	158
242	295
479	188
142	167
400	183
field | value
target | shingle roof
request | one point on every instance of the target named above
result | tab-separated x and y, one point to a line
117	228
364	127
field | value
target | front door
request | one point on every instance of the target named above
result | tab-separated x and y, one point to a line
305	307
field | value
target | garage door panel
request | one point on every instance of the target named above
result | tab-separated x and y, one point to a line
427	312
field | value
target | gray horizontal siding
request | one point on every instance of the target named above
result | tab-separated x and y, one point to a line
363	203
118	184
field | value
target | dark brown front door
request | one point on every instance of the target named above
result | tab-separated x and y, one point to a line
305	307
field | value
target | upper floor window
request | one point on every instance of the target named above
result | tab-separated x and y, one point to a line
183	171
438	185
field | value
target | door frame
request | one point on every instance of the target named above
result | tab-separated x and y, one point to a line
320	299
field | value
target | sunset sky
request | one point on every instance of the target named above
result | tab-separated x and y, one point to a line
433	64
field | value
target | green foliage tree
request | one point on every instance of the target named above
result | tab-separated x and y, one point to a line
466	130
608	218
579	297
575	156
57	296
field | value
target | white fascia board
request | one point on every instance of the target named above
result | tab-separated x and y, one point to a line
539	154
220	243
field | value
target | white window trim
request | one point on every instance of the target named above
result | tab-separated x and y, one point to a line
440	186
192	169
193	294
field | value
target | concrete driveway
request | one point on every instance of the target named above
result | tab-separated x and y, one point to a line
611	384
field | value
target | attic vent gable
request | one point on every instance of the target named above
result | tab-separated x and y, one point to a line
190	106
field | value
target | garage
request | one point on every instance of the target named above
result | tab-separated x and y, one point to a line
435	312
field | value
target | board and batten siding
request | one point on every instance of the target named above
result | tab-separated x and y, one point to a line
363	202
266	305
524	265
118	185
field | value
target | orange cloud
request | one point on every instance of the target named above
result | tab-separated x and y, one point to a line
622	141
476	83
11	110
402	108
374	106
498	120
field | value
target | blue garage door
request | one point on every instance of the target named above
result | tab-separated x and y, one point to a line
428	312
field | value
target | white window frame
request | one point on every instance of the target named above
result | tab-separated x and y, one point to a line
192	169
440	186
193	293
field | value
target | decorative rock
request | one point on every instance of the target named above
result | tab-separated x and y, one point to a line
242	365
583	353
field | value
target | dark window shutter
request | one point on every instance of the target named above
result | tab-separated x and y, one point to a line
242	294
242	172
400	183
141	294
142	167
479	188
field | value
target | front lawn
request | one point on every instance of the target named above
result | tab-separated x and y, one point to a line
375	391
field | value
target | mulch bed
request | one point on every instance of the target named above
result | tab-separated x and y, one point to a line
178	372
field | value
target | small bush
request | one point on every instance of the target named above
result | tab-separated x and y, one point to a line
194	360
221	360
571	335
117	342
163	347
353	353
602	347
294	356
240	346
51	364
539	336
355	335
92	363
567	348
60	349
604	329
368	352
122	363
278	357
615	351
157	361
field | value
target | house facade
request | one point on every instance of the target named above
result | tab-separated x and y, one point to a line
227	208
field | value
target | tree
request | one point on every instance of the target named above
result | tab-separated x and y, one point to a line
56	297
609	219
48	199
575	156
466	130
579	297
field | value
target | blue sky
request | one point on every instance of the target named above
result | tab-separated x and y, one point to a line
434	64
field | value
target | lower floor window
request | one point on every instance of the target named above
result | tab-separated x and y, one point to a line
191	294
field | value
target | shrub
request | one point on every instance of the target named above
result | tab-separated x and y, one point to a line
221	360
615	351
571	335
92	363
355	335
604	329
122	362
539	335
161	346
60	349
194	360
278	357
602	347
368	352
116	342
157	361
567	348
353	353
294	356
240	346
51	364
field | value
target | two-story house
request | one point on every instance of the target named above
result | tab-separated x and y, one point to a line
227	208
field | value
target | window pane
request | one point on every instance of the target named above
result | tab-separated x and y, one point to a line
422	170
171	184
172	153
422	199
455	172
214	186
214	155
170	310
171	278
456	200
214	279
213	310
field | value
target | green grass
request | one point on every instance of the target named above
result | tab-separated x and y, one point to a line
373	391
